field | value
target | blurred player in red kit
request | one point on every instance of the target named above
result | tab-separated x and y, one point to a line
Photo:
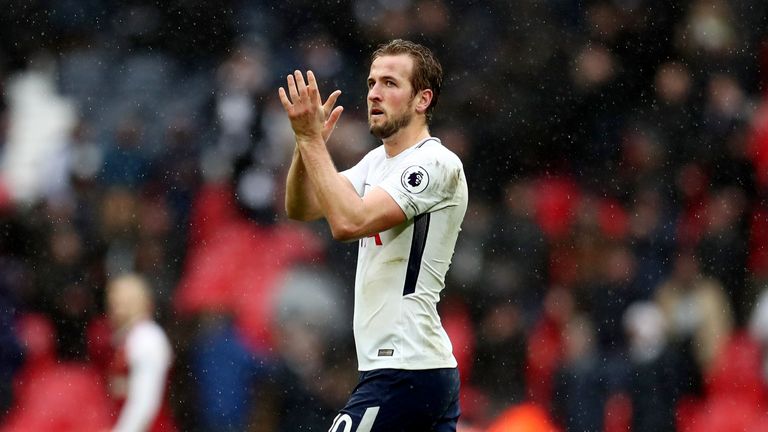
138	371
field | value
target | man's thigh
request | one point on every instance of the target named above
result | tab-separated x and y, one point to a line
402	401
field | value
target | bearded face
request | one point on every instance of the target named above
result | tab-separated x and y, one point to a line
391	98
383	125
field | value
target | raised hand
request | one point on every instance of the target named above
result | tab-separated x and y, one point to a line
309	117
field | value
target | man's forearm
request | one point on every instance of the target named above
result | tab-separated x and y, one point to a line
300	200
341	205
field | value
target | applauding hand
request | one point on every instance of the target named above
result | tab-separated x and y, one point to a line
310	118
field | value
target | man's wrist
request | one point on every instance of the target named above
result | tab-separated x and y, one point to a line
309	140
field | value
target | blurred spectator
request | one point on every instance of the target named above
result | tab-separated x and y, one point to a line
153	255
722	250
596	74
606	296
707	33
580	385
85	157
724	110
546	344
657	374
642	161
470	253
651	235
733	165
175	180
697	310
673	111
39	120
119	228
499	366
67	292
517	250
125	161
239	101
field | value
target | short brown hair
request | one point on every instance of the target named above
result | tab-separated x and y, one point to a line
427	71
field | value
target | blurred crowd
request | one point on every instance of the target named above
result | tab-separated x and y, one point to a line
612	270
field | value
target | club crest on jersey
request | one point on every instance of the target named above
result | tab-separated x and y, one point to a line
415	179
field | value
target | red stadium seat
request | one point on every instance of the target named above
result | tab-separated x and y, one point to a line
53	396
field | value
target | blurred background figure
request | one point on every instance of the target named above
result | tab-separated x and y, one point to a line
656	379
696	310
142	357
581	384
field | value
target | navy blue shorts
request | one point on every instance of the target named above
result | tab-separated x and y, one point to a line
395	400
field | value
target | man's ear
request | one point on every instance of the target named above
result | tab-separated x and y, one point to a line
423	99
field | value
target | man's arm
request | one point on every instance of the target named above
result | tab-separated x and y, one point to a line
300	200
349	216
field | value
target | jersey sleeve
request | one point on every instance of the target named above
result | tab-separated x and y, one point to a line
423	183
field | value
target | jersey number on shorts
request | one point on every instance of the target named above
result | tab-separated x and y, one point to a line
366	423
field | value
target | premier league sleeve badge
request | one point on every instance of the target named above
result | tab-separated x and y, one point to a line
415	179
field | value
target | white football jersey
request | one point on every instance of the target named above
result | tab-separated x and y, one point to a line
401	271
149	356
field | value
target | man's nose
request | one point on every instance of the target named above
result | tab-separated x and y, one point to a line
374	94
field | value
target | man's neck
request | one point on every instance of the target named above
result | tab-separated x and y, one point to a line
404	139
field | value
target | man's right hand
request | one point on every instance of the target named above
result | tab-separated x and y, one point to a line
309	118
